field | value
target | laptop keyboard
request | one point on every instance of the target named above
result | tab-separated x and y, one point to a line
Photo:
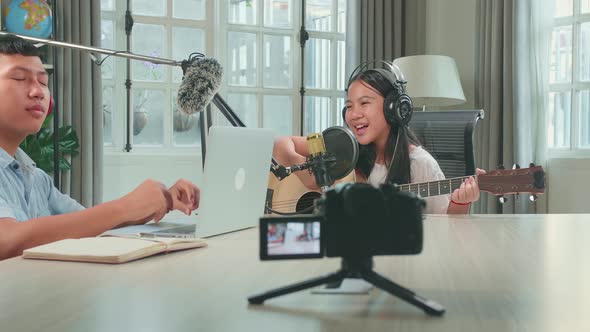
189	229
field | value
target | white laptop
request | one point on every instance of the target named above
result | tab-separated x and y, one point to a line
233	191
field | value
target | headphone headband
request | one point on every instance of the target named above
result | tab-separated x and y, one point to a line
399	75
397	105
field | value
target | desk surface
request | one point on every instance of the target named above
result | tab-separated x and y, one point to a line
492	273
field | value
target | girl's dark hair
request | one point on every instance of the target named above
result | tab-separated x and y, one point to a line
399	168
10	45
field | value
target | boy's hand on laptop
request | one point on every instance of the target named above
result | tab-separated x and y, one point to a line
185	196
150	200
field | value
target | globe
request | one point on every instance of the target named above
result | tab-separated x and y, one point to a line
29	17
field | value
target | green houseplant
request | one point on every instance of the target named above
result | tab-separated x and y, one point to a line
39	146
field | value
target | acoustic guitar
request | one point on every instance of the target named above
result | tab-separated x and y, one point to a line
290	196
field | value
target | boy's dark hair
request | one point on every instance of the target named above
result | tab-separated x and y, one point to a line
10	45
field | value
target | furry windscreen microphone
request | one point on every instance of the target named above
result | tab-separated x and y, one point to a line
200	83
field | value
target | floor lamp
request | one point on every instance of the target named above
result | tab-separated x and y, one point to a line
433	80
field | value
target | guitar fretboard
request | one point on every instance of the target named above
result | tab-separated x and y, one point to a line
434	188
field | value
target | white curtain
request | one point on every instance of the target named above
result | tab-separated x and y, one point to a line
533	24
493	92
512	78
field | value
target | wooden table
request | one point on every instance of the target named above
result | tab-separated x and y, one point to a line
491	272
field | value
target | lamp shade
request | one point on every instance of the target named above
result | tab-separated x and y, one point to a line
433	80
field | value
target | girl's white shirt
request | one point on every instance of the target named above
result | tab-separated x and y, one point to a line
423	168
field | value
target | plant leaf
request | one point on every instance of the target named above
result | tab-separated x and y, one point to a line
64	164
40	146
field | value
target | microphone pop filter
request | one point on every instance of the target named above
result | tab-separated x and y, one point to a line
343	145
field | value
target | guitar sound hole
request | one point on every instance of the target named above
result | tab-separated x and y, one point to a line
306	201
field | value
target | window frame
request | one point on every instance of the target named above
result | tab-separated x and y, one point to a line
260	30
216	39
119	116
294	92
334	93
574	86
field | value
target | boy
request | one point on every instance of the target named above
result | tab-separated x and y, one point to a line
32	210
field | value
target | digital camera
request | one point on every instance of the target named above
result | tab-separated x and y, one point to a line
351	220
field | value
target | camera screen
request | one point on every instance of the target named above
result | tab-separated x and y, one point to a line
290	239
293	238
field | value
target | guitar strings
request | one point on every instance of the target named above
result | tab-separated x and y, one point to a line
412	187
416	188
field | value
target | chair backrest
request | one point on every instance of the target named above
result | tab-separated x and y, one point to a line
448	136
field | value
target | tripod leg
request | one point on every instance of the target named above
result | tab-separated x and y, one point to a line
260	298
429	306
334	284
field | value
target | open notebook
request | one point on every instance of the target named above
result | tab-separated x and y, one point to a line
109	249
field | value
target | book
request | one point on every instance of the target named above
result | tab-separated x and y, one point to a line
110	249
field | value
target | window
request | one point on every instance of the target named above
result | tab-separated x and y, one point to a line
257	43
170	29
569	78
324	68
261	56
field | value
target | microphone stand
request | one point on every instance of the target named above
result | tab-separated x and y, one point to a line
319	166
220	103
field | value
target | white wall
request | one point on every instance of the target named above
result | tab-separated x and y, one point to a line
124	171
567	183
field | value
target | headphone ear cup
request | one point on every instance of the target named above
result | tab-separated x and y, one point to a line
398	108
388	108
344	116
50	108
404	109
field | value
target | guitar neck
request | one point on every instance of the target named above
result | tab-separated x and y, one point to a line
435	188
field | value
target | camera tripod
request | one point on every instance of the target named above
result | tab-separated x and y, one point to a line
356	268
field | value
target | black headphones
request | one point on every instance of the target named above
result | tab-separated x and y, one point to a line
397	105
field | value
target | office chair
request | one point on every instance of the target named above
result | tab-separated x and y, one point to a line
448	137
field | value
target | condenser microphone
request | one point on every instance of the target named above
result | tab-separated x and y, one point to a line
342	144
202	78
332	155
319	160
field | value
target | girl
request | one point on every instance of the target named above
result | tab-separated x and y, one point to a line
389	150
